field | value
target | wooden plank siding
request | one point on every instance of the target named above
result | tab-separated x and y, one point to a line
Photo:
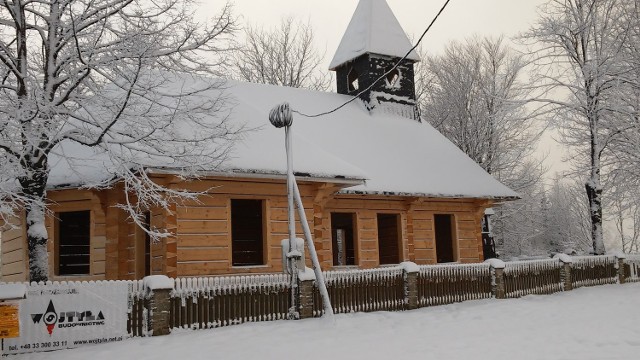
14	252
204	226
418	234
200	239
79	200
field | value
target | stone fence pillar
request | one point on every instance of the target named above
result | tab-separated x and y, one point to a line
410	271
306	279
497	280
566	262
622	276
158	304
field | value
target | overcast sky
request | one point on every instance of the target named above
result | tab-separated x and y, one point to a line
329	18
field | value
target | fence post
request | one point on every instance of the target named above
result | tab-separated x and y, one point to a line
566	261
306	279
497	279
621	265
410	275
158	289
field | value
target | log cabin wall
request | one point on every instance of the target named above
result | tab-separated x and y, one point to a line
417	227
204	235
113	250
74	201
125	242
14	252
200	241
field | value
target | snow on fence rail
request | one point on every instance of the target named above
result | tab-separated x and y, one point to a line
532	277
202	303
363	290
632	268
594	270
446	284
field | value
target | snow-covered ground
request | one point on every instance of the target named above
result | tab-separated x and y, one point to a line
589	323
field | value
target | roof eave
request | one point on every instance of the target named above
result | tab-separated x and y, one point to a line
501	198
338	179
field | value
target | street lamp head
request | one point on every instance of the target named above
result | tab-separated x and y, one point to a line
281	116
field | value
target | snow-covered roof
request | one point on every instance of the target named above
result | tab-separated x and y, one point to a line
393	154
373	29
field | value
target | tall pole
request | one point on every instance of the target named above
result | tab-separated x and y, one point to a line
281	116
293	254
326	301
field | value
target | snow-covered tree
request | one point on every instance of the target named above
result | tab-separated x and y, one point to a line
285	55
579	55
518	226
474	95
103	77
626	217
624	164
567	225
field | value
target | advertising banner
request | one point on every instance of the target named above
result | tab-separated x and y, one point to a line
67	315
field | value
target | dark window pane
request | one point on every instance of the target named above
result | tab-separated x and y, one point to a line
74	243
389	238
247	232
444	238
342	234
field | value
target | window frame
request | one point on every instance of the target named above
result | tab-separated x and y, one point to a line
265	232
454	238
143	240
400	238
354	240
58	244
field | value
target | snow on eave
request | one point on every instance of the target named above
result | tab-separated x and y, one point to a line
424	195
274	175
108	183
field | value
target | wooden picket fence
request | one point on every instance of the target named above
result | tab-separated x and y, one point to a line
532	277
202	303
446	284
594	270
136	316
632	268
362	291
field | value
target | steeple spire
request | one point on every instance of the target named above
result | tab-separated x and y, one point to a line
373	29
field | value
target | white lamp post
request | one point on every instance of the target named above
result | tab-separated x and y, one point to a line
281	116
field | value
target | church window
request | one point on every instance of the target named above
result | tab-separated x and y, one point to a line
352	78
392	77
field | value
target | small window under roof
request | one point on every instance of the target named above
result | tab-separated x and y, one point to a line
392	77
354	83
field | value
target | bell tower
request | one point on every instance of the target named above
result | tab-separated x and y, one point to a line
372	44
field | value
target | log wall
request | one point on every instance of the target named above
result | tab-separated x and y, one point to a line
79	200
418	234
14	252
203	226
200	241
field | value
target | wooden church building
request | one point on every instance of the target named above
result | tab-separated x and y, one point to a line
379	185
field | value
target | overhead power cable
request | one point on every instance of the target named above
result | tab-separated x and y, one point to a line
383	75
